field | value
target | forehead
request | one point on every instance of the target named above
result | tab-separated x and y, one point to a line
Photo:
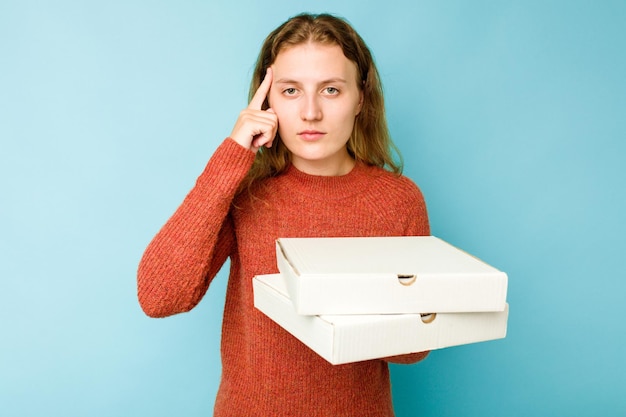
313	61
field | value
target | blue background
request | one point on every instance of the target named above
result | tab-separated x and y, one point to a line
510	116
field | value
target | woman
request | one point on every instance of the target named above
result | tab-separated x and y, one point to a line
309	157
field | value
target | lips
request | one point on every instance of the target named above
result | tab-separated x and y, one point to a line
311	135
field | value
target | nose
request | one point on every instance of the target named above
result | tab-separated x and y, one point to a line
311	108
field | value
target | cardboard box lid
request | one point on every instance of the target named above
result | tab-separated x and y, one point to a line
351	338
387	275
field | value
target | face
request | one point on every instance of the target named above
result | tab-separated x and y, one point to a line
316	98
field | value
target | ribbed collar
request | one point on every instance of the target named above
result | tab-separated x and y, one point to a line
328	187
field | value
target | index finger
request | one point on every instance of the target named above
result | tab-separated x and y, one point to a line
261	93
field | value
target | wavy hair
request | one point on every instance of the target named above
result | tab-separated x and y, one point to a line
370	141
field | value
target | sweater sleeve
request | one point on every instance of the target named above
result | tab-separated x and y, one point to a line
417	217
178	265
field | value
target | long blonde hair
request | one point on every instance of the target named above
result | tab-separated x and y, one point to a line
370	141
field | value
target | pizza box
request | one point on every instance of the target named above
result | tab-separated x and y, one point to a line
387	275
351	338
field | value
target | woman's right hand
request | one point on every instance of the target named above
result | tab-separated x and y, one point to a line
255	127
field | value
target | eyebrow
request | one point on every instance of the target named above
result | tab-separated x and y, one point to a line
328	81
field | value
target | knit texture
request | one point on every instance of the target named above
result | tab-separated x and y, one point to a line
265	370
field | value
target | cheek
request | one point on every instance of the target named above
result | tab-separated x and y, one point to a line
283	117
283	111
347	114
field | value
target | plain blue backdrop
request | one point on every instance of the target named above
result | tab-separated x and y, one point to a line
510	115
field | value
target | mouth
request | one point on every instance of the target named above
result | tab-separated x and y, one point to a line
311	135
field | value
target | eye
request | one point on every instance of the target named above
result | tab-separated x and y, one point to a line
289	91
332	91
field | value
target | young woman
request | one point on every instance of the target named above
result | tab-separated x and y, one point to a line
309	157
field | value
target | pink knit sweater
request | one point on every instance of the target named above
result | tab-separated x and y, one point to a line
266	371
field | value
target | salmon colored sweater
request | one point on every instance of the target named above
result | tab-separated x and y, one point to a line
266	371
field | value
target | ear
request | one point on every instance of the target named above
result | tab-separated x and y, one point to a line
360	105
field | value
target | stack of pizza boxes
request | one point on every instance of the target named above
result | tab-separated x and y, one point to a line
358	298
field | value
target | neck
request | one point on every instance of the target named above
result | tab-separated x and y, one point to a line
325	168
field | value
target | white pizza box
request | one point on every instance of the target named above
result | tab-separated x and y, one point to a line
387	275
352	338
